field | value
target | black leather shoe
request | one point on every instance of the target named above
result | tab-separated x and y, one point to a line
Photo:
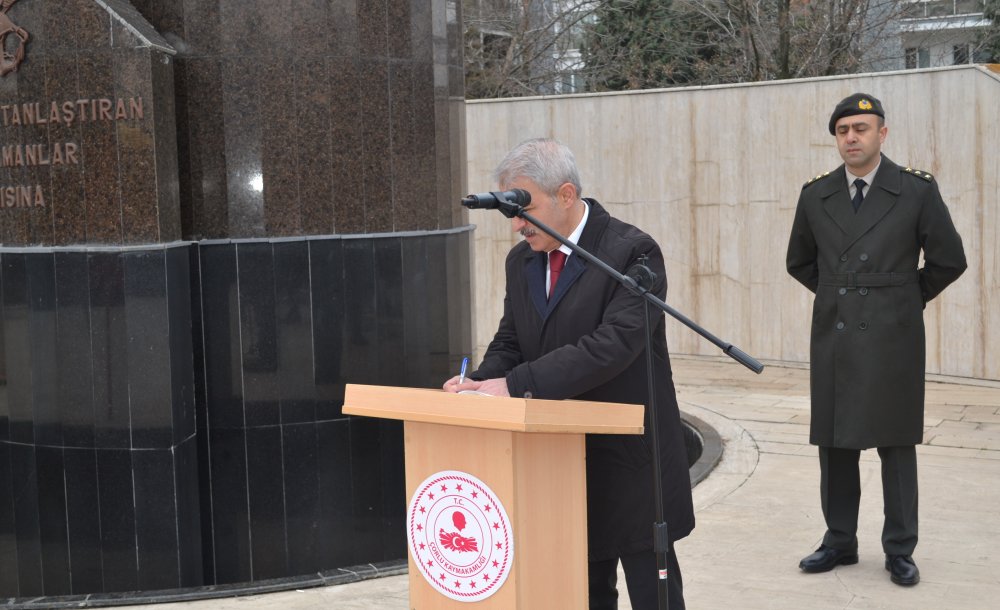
902	570
827	558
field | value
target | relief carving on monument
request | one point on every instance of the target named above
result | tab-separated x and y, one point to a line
12	56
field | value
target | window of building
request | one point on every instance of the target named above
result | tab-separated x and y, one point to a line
983	56
960	54
917	58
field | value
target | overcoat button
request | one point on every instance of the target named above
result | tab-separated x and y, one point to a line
863	291
863	325
840	326
842	291
843	258
863	257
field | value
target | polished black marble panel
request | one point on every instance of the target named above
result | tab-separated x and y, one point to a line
156	505
300	455
181	344
336	495
8	535
83	519
389	308
53	535
74	382
367	476
258	338
118	523
222	361
329	294
365	308
74	521
27	524
17	347
293	331
416	311
230	517
360	345
441	358
109	349
42	326
393	483
190	513
4	401
148	351
458	251
265	480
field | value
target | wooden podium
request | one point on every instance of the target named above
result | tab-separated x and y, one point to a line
531	454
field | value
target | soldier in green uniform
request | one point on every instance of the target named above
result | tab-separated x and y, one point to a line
856	242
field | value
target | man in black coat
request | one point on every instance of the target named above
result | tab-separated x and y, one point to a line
579	334
856	242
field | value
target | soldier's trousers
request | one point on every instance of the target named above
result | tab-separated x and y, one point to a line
840	494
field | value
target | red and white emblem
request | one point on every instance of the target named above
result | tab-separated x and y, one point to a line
460	536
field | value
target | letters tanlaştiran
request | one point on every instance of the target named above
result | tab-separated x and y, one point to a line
66	113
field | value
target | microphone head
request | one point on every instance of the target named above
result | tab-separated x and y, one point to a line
496	199
520	196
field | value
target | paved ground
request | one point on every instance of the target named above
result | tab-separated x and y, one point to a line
758	512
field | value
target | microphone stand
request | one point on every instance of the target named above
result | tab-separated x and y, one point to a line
639	280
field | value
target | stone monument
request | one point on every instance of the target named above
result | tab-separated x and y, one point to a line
213	215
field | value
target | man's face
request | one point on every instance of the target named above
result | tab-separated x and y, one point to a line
859	140
552	211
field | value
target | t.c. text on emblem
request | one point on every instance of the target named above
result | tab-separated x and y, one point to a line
460	536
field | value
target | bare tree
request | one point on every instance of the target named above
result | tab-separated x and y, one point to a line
797	38
531	47
524	47
987	45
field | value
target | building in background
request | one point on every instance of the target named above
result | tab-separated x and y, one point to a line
944	33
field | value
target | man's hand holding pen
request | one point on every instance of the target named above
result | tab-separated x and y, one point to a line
458	383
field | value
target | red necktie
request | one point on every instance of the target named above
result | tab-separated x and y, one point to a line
557	259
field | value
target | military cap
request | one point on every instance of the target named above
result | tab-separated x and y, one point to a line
859	103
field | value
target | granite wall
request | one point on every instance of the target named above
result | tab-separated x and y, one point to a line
214	214
318	117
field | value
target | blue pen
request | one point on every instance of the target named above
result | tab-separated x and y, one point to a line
465	365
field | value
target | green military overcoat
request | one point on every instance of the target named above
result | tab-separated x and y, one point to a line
867	343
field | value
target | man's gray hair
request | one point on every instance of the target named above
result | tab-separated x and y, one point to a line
546	162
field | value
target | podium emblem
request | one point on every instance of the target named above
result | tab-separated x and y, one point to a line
459	536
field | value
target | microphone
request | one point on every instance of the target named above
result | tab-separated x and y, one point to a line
492	200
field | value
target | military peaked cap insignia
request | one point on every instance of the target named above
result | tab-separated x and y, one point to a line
811	180
919	174
858	103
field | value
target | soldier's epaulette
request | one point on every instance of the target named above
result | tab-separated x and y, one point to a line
918	174
819	177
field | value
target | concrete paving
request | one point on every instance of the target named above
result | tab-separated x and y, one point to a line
758	511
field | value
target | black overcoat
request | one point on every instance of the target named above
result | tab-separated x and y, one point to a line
588	343
867	351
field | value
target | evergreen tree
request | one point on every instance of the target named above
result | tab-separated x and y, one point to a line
642	44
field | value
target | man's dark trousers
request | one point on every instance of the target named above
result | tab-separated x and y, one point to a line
641	580
840	491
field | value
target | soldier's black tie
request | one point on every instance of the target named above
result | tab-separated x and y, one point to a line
859	194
